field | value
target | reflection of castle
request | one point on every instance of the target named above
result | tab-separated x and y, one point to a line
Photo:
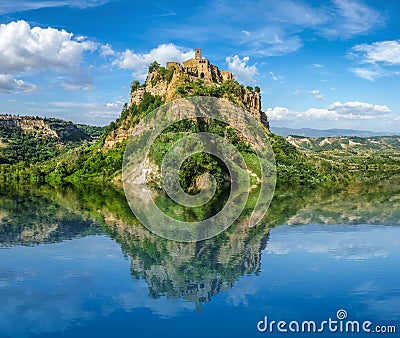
201	68
199	271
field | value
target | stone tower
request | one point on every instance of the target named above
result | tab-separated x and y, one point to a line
197	54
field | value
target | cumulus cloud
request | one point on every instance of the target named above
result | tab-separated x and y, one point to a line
23	48
241	70
359	108
106	50
279	113
26	49
349	110
9	84
139	62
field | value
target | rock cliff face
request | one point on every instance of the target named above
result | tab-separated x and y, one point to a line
33	139
167	86
58	129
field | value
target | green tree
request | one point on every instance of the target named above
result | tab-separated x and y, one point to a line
154	66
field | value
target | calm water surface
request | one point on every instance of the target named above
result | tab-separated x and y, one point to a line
75	265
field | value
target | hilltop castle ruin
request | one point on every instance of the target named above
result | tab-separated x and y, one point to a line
200	68
194	70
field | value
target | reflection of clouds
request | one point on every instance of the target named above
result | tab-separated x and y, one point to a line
366	288
33	311
386	307
338	241
48	288
243	288
382	303
139	297
9	277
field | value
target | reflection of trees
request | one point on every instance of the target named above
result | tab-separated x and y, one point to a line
192	271
30	218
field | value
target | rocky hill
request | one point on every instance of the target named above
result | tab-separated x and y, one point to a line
196	77
33	139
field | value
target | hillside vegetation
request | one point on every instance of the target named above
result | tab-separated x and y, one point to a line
100	161
34	139
356	158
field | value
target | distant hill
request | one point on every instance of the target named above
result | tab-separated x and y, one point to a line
309	132
381	143
33	139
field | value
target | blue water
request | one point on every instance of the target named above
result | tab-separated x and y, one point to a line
85	287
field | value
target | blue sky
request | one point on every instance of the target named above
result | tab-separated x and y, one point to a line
320	64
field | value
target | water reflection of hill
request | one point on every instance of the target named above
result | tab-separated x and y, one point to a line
192	271
377	203
31	218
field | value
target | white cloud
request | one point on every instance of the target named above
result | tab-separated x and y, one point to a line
380	57
278	113
359	108
367	73
278	45
354	110
243	72
106	50
139	63
92	112
316	94
23	48
71	86
351	18
9	84
10	6
387	52
274	77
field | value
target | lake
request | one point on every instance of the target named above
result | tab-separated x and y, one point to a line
77	264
